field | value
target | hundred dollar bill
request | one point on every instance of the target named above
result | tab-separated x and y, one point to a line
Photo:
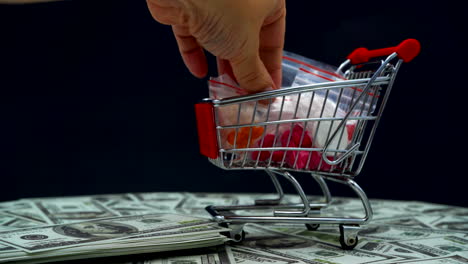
6	249
365	244
27	211
102	198
433	247
142	203
391	232
198	212
306	250
212	255
126	208
195	203
248	256
196	229
14	205
202	200
389	250
74	234
207	255
8	222
438	222
409	221
5	219
73	209
453	259
106	199
98	251
396	233
424	208
28	215
173	199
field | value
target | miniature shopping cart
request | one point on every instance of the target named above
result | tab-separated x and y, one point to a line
363	93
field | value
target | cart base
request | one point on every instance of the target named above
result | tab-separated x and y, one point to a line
306	213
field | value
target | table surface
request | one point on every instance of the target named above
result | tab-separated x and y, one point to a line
400	231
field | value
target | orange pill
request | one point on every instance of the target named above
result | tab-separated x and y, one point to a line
243	136
257	132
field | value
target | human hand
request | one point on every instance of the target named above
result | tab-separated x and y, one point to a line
246	36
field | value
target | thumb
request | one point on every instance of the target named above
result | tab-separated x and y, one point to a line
250	72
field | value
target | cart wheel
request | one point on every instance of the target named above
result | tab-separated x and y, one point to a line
312	227
239	237
348	240
236	237
349	244
237	233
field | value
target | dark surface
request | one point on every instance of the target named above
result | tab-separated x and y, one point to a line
95	99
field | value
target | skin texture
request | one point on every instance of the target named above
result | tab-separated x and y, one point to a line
246	36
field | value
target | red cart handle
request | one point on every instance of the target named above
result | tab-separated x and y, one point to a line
407	50
206	129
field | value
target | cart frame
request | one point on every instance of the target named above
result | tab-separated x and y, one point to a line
377	82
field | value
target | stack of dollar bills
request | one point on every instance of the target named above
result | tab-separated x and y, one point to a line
85	227
66	228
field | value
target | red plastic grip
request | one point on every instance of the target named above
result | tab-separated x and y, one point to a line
407	50
204	114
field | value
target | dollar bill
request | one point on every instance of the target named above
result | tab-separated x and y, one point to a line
5	219
305	250
437	222
124	208
73	209
392	232
425	208
453	259
145	203
365	244
172	199
74	234
186	231
400	232
212	255
207	255
4	249
106	199
92	252
248	256
434	247
27	211
397	233
14	205
202	200
9	222
389	249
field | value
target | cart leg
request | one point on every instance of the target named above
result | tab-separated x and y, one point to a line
316	207
300	191
362	196
325	191
279	191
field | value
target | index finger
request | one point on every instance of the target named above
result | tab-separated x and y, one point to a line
271	46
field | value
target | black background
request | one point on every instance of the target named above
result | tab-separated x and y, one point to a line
96	99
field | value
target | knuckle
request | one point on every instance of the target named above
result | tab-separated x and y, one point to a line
167	15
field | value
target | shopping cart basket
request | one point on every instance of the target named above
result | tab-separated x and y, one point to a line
364	92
